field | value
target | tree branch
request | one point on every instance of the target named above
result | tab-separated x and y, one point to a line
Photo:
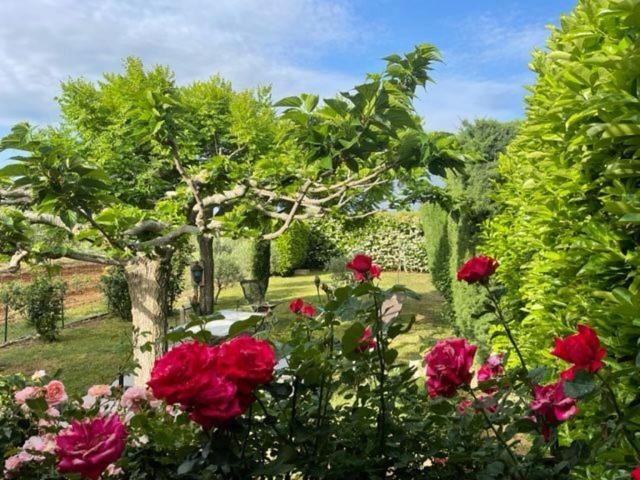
14	263
168	238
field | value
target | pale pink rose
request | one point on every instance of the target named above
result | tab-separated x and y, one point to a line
88	401
27	393
112	470
55	393
53	412
43	444
38	374
12	465
133	398
100	390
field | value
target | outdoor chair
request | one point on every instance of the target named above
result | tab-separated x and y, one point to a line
254	292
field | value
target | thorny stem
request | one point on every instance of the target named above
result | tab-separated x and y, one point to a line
503	321
494	429
382	416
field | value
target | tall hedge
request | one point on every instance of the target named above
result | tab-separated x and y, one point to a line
393	239
452	234
289	251
568	234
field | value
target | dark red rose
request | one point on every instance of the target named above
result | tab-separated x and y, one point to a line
88	447
635	474
449	366
478	269
552	405
366	341
296	305
360	264
218	403
582	349
181	373
247	362
308	310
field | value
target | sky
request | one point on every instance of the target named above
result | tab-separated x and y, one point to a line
316	46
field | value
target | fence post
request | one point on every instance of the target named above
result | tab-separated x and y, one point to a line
6	323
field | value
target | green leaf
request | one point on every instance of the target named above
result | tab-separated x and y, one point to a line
350	339
295	102
13	170
581	385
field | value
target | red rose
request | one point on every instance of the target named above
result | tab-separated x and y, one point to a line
635	474
366	342
582	349
308	310
296	305
478	269
552	405
375	271
449	366
218	403
90	446
360	263
181	373
247	362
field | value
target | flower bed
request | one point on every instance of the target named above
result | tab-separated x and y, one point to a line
341	406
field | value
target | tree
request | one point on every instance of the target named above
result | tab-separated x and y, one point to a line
138	162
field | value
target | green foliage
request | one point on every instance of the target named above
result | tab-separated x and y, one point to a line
567	234
43	304
115	288
289	251
393	239
227	271
261	262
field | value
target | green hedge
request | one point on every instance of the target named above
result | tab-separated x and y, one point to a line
393	239
568	234
289	251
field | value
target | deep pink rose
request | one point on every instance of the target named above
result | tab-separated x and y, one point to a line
491	369
181	373
55	393
27	393
296	305
449	366
552	405
247	362
219	403
582	349
308	310
375	271
90	446
635	473
366	341
478	269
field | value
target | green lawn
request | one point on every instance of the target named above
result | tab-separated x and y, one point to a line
91	353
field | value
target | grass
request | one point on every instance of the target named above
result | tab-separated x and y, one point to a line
91	353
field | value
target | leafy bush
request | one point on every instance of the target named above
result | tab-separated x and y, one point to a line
289	251
43	303
115	288
568	233
227	272
395	239
343	406
261	262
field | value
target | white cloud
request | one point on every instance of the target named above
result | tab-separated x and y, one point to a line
43	42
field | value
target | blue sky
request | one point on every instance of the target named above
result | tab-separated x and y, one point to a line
320	46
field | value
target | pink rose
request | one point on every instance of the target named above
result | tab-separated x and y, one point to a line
27	393
552	405
55	393
449	366
99	390
366	341
13	464
90	446
133	398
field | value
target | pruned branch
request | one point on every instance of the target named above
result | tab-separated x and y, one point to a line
14	263
146	226
168	238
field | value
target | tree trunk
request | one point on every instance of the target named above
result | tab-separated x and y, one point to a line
148	280
205	244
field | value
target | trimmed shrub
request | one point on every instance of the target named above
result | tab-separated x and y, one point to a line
115	288
394	239
568	234
43	302
290	249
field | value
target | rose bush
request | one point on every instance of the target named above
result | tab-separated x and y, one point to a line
341	403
